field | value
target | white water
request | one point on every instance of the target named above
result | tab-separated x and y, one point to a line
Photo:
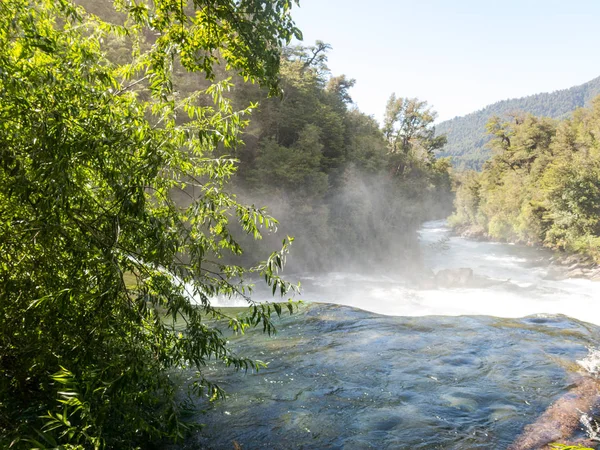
591	363
521	271
343	378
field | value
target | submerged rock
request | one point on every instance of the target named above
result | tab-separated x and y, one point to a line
449	278
339	377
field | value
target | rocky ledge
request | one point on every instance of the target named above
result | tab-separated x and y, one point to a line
562	265
566	265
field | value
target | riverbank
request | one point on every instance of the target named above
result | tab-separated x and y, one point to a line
562	265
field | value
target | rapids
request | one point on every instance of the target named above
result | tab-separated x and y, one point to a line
373	362
520	274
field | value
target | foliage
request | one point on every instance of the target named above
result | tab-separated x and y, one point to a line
467	139
408	127
326	169
106	280
542	186
569	447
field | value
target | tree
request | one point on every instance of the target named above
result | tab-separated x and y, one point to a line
543	184
105	280
340	86
312	57
408	127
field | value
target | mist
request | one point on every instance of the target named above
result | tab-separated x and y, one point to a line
364	224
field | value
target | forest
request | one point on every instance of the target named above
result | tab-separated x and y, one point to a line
467	138
541	185
136	171
348	191
205	243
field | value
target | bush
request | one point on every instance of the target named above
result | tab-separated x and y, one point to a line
105	280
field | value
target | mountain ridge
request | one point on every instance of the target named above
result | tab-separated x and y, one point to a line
466	134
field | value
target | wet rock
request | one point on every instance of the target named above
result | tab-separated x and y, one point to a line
576	273
450	278
574	261
594	274
423	279
472	232
562	418
572	266
555	274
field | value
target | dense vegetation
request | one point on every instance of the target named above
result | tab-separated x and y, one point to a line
467	139
336	182
542	186
118	225
345	189
98	263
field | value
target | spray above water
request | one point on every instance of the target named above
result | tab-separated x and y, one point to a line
451	382
508	281
591	363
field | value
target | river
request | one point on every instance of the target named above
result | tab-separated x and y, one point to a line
371	361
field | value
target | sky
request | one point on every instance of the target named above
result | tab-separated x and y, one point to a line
458	55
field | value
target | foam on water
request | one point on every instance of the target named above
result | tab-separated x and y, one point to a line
401	301
591	363
505	259
406	382
521	288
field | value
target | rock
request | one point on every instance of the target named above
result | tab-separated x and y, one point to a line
423	279
561	420
450	278
563	266
474	233
576	273
571	260
555	274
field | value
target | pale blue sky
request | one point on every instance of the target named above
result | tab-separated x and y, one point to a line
458	55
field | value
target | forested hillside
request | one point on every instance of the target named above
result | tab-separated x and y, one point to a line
466	135
541	187
132	192
333	179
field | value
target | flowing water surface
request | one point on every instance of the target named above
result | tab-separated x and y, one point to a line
375	362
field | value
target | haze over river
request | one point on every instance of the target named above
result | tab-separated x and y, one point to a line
401	367
522	286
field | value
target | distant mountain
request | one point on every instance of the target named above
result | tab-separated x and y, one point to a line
466	135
